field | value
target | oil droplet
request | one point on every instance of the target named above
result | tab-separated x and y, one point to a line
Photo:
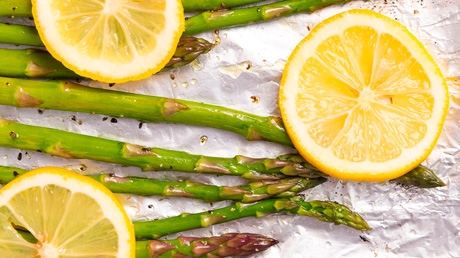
255	99
357	197
225	35
172	76
5	156
203	139
193	81
185	84
217	39
217	58
196	65
174	85
328	244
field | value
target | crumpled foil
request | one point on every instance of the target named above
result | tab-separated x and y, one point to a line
243	72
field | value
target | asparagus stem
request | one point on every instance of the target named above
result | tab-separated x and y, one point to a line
19	35
203	5
15	8
68	96
255	191
231	244
323	210
228	18
32	63
37	63
420	176
23	8
72	145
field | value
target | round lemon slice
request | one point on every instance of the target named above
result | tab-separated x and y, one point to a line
70	216
362	99
110	40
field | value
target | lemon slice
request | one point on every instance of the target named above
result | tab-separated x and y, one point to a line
70	215
110	40
362	99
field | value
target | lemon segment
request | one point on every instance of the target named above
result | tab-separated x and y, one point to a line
362	99
110	40
70	216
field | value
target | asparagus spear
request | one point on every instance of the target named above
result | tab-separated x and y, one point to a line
230	244
16	8
19	35
420	176
23	8
255	191
72	145
215	20
203	5
68	96
323	210
37	63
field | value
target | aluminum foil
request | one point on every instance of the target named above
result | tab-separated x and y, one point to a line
243	72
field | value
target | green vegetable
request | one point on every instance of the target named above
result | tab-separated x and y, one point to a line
323	210
37	63
255	191
211	20
420	176
72	145
23	8
69	96
230	244
203	5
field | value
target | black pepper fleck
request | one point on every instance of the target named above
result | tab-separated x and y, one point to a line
113	120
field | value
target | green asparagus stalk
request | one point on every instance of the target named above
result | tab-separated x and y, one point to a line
204	5
72	145
420	176
230	244
229	18
23	8
15	8
19	35
69	96
255	191
37	63
322	210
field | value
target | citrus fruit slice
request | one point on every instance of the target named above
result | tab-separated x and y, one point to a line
70	215
362	99
110	40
